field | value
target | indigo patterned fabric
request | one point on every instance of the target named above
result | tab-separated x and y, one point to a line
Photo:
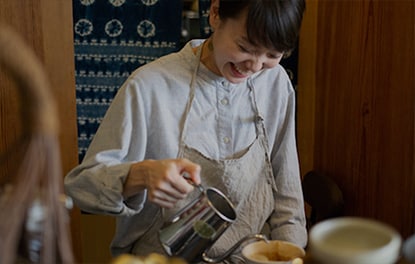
111	39
114	37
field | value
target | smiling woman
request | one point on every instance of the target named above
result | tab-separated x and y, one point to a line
221	110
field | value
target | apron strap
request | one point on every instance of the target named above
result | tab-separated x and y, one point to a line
189	101
262	134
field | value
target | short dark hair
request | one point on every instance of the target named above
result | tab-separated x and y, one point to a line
274	24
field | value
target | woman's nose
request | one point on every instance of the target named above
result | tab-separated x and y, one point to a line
256	64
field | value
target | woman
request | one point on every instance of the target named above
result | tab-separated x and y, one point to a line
220	110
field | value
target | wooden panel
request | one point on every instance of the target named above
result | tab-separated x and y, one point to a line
306	87
10	119
364	130
97	234
47	27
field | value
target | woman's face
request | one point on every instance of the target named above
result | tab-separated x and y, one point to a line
234	56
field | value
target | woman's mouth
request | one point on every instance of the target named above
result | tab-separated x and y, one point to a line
238	72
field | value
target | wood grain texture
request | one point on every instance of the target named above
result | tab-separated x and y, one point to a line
364	106
306	87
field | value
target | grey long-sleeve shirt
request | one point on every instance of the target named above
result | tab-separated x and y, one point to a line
143	122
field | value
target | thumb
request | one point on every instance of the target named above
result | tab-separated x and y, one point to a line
191	171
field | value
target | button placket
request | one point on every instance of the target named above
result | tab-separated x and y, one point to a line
224	118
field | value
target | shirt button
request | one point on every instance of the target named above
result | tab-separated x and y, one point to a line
226	140
224	101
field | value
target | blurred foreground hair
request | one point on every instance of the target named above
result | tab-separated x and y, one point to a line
33	219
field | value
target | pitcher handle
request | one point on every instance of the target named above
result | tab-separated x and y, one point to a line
186	176
255	237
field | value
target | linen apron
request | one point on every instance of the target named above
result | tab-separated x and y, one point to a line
247	181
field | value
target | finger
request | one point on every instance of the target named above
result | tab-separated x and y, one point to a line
166	191
191	169
182	185
161	197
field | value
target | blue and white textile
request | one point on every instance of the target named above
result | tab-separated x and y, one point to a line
111	39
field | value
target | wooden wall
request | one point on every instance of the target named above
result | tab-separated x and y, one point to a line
356	104
46	26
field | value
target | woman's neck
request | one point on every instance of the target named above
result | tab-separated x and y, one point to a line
207	57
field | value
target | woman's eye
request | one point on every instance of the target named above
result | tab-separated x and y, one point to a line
243	49
274	56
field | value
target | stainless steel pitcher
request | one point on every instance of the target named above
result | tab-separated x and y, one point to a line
192	231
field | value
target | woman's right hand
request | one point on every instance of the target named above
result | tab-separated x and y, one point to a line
163	180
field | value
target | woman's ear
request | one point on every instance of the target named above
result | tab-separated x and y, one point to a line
214	14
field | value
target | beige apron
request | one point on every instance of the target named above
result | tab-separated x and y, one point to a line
247	181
